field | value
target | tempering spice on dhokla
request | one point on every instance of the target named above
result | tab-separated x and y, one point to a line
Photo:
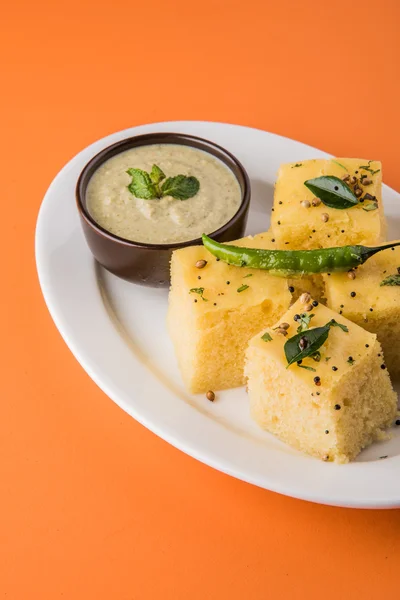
335	189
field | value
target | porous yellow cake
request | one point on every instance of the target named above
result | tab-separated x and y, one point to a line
334	416
214	311
297	224
372	306
313	284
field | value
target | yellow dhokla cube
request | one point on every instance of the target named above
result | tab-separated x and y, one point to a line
333	410
364	301
297	224
214	311
313	284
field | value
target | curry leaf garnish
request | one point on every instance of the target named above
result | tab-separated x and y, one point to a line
248	275
242	288
180	187
199	291
266	337
308	342
306	367
391	280
297	165
304	322
148	185
327	358
339	165
141	185
332	191
370	206
156	174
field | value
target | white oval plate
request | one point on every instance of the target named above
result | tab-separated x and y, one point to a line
117	332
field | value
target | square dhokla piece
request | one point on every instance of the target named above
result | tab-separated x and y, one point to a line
364	301
313	284
331	412
213	313
297	224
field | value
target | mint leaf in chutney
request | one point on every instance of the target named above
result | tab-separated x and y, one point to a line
147	185
156	174
180	187
141	185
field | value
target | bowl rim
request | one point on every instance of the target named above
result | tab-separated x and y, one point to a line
160	138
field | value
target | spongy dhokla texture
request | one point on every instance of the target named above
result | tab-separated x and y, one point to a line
374	307
296	227
334	420
214	311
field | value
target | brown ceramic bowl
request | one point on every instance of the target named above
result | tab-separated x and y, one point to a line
148	264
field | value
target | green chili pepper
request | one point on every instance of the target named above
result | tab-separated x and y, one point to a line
295	263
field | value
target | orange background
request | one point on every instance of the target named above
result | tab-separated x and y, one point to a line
92	505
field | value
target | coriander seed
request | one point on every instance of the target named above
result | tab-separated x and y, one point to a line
281	331
201	264
305	298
